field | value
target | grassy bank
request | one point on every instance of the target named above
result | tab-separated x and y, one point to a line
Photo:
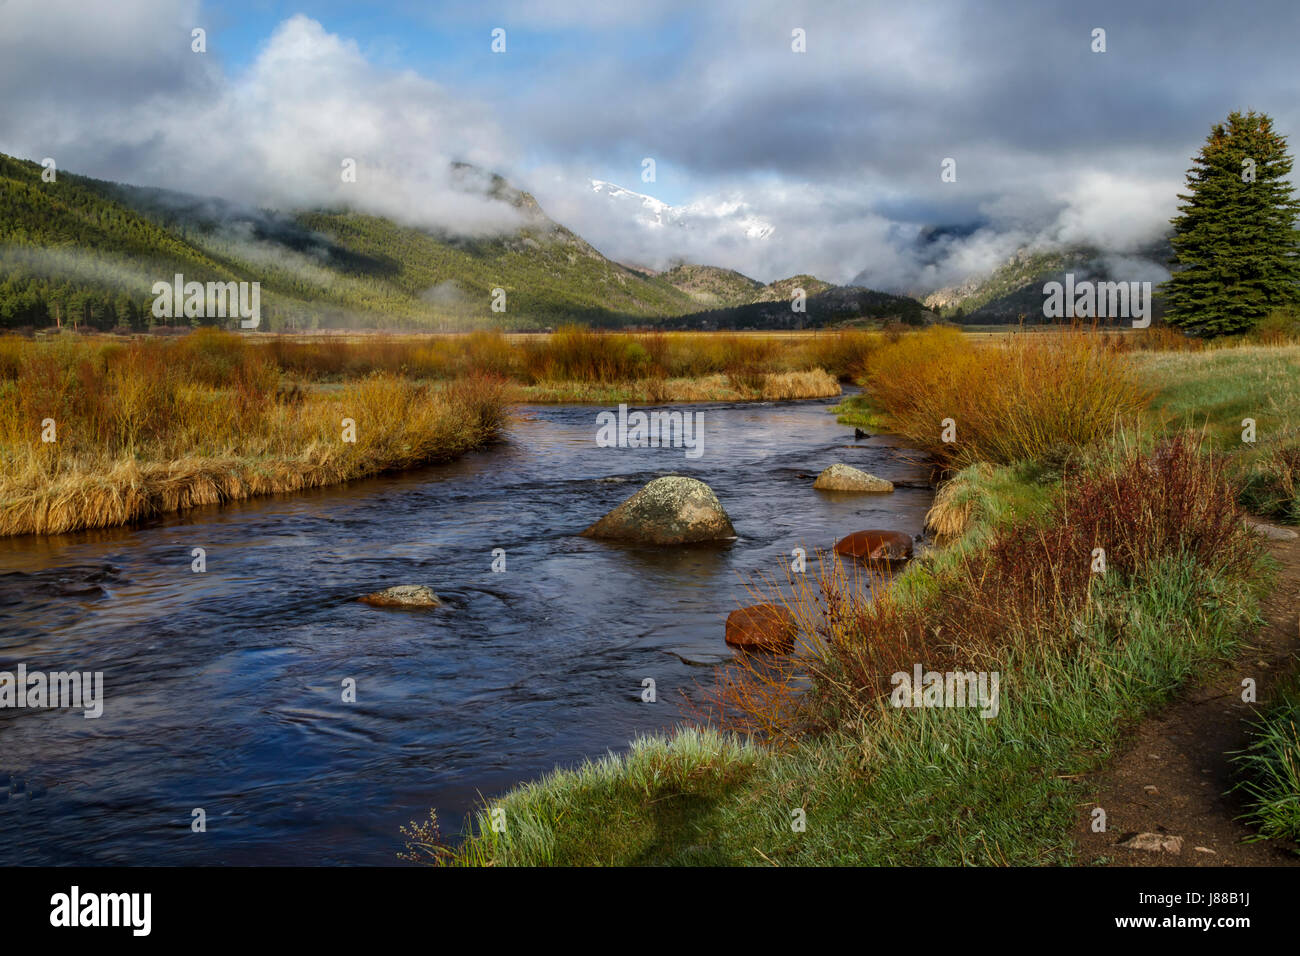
835	774
96	435
99	431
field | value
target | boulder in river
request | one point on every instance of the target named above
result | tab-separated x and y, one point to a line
671	510
847	478
874	545
762	627
403	595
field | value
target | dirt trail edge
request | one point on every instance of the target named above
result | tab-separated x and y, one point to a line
1171	778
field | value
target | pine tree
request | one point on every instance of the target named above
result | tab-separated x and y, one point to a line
1235	234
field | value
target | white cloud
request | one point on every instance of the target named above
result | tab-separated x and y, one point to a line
275	136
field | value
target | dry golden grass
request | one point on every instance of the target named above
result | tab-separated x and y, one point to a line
573	355
148	428
774	386
954	503
1027	397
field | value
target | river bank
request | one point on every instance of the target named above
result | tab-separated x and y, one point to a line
1084	654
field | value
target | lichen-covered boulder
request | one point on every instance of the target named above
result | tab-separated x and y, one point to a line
762	627
672	510
403	595
847	478
875	545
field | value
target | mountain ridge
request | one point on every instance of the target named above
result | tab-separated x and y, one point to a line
87	251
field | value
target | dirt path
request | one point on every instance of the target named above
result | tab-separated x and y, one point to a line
1171	778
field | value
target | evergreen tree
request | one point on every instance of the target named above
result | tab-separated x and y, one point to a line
1235	234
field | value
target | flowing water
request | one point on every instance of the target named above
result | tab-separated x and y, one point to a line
223	689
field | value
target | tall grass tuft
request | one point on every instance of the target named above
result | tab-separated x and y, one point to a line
1269	770
1027	397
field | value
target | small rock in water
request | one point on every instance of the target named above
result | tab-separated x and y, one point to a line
845	478
1154	843
876	546
762	627
403	595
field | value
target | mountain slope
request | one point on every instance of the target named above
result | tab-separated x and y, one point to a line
89	251
1015	288
85	252
713	287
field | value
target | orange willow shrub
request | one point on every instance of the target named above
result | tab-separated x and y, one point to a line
1030	396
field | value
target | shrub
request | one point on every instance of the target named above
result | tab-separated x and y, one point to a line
1028	397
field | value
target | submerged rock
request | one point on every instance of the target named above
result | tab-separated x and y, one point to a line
874	545
403	595
672	510
846	478
762	627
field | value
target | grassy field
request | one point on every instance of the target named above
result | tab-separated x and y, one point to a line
1217	391
842	777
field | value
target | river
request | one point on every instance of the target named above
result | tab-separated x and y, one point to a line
223	689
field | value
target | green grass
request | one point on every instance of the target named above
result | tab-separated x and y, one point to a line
913	787
1270	769
857	410
1216	390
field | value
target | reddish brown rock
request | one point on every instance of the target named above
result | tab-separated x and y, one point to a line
876	546
762	627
